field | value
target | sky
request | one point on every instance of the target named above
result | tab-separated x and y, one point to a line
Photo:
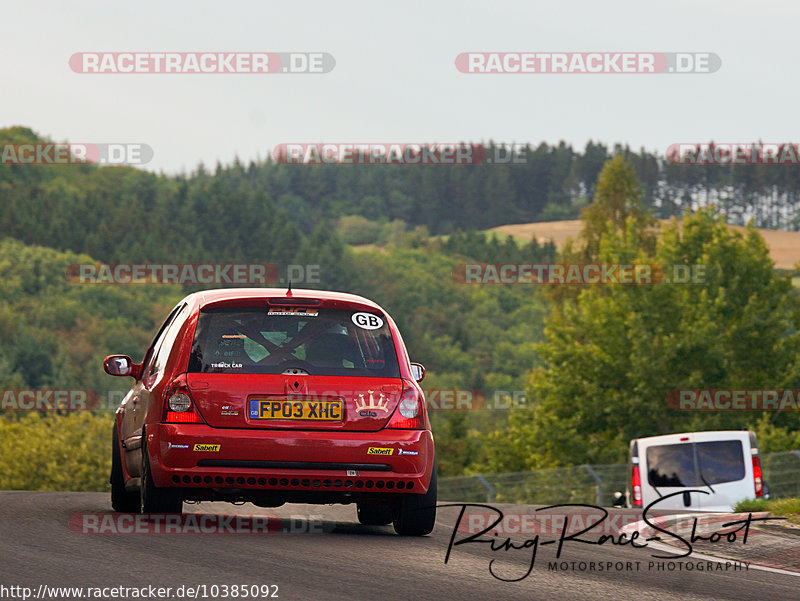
395	78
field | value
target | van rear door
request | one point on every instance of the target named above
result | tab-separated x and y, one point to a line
668	466
724	465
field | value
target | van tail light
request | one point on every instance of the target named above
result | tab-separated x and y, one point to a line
409	413
179	408
636	483
757	477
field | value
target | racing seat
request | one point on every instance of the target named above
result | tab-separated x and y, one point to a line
332	350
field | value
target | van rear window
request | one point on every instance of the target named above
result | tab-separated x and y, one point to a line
695	464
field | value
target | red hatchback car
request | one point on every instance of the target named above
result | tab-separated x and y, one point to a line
273	396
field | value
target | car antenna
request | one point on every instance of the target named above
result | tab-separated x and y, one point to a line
289	289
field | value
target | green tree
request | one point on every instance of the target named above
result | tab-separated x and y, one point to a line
57	452
617	199
613	353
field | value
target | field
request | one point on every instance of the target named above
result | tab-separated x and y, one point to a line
784	247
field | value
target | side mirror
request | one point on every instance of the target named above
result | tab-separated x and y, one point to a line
121	365
619	499
418	371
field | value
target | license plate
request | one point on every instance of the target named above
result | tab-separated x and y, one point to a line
296	410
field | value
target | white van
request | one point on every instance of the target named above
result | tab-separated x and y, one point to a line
724	464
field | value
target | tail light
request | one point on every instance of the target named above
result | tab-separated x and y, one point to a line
757	477
178	404
636	483
409	414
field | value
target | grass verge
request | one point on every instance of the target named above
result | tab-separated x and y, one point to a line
788	508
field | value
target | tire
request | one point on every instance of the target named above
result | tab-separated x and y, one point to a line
415	515
155	499
374	515
122	500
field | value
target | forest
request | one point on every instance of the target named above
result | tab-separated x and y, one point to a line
587	369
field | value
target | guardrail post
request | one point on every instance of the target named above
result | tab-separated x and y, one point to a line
489	488
599	481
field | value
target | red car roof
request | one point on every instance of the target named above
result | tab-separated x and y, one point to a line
209	297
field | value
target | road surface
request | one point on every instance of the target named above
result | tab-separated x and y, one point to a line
330	556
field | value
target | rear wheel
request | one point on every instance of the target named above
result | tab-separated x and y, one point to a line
121	500
374	515
415	514
155	499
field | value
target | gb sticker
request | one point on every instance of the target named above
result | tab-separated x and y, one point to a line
367	321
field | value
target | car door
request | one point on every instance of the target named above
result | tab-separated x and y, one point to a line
134	406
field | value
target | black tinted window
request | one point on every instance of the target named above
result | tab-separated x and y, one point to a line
721	460
671	465
272	340
695	464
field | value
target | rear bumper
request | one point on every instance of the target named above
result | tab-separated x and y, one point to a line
197	456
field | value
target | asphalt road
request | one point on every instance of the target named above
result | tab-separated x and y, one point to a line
337	559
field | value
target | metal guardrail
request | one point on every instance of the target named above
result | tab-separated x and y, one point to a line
591	484
782	474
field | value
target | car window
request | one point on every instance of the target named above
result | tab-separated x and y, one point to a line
166	339
671	465
721	460
272	340
148	358
695	464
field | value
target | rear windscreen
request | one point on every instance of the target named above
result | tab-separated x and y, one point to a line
274	340
695	464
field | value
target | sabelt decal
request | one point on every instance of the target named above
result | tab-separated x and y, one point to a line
380	451
212	448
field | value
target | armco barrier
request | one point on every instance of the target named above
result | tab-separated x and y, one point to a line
591	484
